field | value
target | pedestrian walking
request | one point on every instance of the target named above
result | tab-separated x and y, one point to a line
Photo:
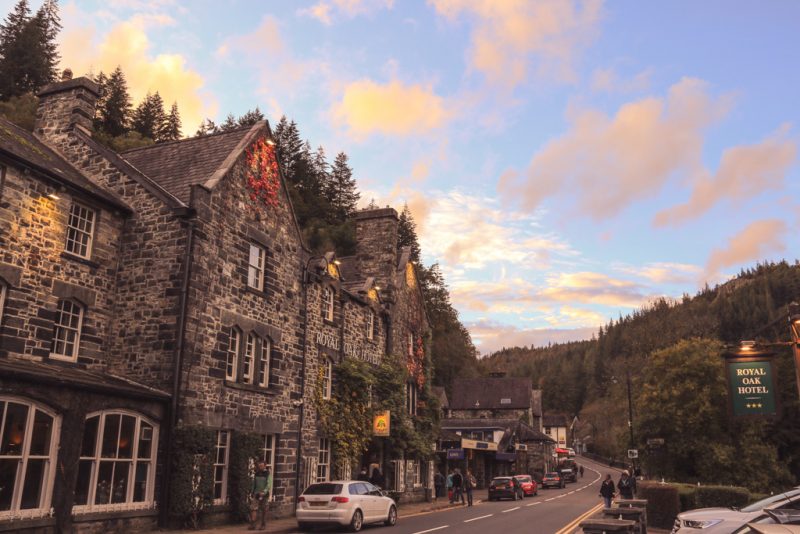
607	491
376	477
450	487
469	484
458	487
581	470
259	496
438	485
626	485
362	475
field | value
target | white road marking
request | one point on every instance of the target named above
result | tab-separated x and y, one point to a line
550	499
510	510
571	492
432	529
476	518
534	503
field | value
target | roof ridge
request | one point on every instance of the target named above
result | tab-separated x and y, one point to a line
187	139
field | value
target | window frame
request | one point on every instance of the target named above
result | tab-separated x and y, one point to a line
57	326
232	356
328	303
264	351
327	378
371	324
97	459
3	292
80	231
259	269
249	358
46	490
323	473
411	398
225	465
411	344
268	455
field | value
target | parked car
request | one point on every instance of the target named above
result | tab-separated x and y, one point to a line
553	480
731	520
350	503
569	474
505	488
528	484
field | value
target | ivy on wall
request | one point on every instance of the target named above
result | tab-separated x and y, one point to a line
192	483
263	178
245	448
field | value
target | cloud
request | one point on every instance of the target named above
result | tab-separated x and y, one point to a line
607	80
507	35
665	272
325	10
127	44
393	108
755	242
490	336
744	172
607	163
593	288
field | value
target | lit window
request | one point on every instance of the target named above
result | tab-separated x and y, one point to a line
27	459
255	270
324	460
263	367
234	341
327	378
67	331
411	398
116	470
370	324
327	303
221	466
80	228
249	359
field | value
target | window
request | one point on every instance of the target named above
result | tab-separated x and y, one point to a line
221	466
80	228
263	367
249	359
324	460
327	303
231	365
411	398
255	269
370	324
27	459
67	331
3	289
268	456
116	470
410	344
327	378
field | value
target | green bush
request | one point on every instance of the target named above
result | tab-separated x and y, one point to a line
192	483
245	448
722	496
687	493
663	503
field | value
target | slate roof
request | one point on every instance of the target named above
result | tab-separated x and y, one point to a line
491	394
22	146
525	432
76	377
178	165
555	420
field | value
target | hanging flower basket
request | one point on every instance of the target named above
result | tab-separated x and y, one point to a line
263	179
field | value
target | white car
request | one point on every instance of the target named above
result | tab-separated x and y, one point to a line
730	520
344	502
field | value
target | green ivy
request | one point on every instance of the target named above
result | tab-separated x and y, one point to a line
192	483
245	449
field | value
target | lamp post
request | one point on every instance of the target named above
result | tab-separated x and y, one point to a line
794	328
630	411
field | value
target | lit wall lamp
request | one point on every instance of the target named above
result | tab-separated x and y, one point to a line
53	196
271	141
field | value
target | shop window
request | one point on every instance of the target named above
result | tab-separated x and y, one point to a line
67	331
221	462
80	228
255	268
324	460
327	303
232	363
116	470
27	458
327	378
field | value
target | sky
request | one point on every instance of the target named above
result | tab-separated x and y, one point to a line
566	162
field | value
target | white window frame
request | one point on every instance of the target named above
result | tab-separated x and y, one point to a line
265	353
234	348
328	299
255	271
411	398
323	460
45	496
81	221
268	453
59	327
249	360
327	378
370	324
223	446
97	459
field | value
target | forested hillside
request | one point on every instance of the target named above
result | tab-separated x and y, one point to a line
672	351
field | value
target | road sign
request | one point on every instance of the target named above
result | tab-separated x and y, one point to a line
633	453
655	442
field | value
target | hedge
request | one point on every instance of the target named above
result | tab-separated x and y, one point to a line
663	503
192	482
721	496
245	448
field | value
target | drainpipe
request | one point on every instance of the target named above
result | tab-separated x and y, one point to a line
301	402
176	374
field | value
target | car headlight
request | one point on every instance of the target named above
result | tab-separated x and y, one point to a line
690	523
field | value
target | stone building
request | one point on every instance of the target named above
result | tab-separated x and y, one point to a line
167	288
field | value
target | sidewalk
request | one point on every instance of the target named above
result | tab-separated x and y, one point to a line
289	524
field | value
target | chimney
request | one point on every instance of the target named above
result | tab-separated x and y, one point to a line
65	104
376	242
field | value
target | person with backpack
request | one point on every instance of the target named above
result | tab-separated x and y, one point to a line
458	487
469	484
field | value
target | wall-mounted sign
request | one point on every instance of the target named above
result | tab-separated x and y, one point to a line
364	353
381	424
751	385
455	454
479	445
330	341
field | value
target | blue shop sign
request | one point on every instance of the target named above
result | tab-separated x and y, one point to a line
455	454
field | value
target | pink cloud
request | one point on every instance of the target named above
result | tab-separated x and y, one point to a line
755	242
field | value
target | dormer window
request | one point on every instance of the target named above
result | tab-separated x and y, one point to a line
327	303
80	229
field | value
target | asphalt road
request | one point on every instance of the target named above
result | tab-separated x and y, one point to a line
553	511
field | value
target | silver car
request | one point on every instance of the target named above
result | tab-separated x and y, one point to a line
731	520
350	503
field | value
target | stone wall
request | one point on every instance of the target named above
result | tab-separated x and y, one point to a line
376	236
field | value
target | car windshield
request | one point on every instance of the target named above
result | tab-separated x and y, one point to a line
501	481
763	503
524	479
323	489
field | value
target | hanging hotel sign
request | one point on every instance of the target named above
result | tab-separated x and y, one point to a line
381	424
751	384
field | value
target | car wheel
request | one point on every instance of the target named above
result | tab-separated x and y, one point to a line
357	522
391	519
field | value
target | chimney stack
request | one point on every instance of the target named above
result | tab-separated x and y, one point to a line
62	105
376	238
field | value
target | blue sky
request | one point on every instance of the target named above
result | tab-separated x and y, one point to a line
566	161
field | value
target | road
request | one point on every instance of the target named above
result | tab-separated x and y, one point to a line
553	511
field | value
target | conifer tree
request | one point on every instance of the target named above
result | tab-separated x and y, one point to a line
14	52
229	124
289	147
341	190
115	104
251	117
407	233
172	127
207	127
149	117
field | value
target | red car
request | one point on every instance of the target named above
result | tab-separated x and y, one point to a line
529	487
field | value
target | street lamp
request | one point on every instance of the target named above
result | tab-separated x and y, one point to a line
794	328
